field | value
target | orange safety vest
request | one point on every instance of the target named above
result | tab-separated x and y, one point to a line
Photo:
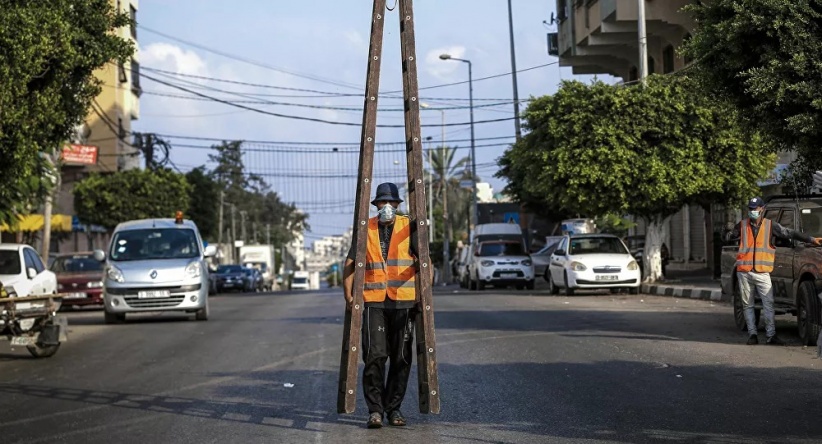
393	277
755	254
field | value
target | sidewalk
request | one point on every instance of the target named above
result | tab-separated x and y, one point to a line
694	284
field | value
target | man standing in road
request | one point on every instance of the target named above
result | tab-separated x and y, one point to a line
390	300
754	263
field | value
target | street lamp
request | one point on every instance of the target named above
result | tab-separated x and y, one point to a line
473	146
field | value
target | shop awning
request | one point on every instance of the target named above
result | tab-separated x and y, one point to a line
34	222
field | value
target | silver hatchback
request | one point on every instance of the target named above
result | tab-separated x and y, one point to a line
155	265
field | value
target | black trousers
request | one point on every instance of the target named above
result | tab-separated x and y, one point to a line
387	335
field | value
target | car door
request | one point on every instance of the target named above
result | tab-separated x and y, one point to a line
557	265
782	275
31	284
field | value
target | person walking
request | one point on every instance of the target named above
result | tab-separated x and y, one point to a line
390	300
755	262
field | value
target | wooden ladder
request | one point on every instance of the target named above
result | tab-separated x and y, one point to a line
429	395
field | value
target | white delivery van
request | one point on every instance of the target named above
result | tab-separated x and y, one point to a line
300	280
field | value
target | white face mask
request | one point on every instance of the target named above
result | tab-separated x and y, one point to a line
754	214
386	213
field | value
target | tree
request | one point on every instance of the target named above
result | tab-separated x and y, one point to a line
273	219
204	203
763	55
50	51
109	199
600	149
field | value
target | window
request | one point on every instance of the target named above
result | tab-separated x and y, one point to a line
76	264
154	243
668	60
651	65
133	17
594	245
121	73
812	221
633	74
135	78
32	261
501	249
9	262
787	221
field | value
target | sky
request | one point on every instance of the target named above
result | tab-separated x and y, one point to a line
322	46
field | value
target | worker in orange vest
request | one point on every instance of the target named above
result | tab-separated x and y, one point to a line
754	263
390	307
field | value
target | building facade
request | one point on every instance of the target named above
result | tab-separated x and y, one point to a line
601	36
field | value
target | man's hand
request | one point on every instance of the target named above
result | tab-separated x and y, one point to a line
817	241
349	302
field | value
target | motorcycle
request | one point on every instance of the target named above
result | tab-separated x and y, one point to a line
32	322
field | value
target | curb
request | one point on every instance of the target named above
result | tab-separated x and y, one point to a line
708	294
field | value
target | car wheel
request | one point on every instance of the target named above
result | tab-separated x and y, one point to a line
807	313
530	284
472	285
633	290
520	286
552	288
202	314
43	351
546	275
480	284
739	311
568	290
115	318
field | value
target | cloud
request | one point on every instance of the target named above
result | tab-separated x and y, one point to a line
356	39
441	69
173	58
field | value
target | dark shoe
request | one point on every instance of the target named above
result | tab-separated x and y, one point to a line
753	340
396	419
374	420
774	340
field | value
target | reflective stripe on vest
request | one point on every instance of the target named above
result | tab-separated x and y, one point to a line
395	276
755	254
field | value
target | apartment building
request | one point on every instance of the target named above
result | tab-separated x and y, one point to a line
601	36
103	142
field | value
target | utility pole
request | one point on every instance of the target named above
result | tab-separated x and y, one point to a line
446	269
220	224
517	126
233	233
48	207
643	45
243	214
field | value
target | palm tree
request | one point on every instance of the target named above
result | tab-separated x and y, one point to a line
447	172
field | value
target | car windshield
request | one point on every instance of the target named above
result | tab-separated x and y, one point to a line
9	262
76	264
225	269
501	249
597	245
300	280
154	243
812	221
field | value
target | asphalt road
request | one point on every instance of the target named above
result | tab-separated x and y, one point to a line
515	366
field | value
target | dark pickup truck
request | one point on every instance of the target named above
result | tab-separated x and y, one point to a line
797	274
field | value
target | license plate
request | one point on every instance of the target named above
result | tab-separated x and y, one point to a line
153	294
75	296
612	277
22	341
508	275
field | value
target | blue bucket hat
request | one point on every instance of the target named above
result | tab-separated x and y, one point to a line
387	192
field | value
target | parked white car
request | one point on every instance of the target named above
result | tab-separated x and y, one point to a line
593	261
500	263
22	268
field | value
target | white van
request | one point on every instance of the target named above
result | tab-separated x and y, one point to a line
498	257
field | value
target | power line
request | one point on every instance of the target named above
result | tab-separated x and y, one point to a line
269	142
308	119
250	61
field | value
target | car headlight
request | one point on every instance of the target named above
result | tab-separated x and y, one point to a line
98	284
578	266
194	270
487	263
633	266
114	274
527	262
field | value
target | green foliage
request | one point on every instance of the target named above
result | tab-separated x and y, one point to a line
110	199
614	224
49	52
204	204
250	194
446	171
600	149
764	56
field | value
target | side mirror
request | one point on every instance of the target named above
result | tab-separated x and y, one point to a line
210	251
31	273
99	255
559	252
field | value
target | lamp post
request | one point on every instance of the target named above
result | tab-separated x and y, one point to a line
517	125
473	214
